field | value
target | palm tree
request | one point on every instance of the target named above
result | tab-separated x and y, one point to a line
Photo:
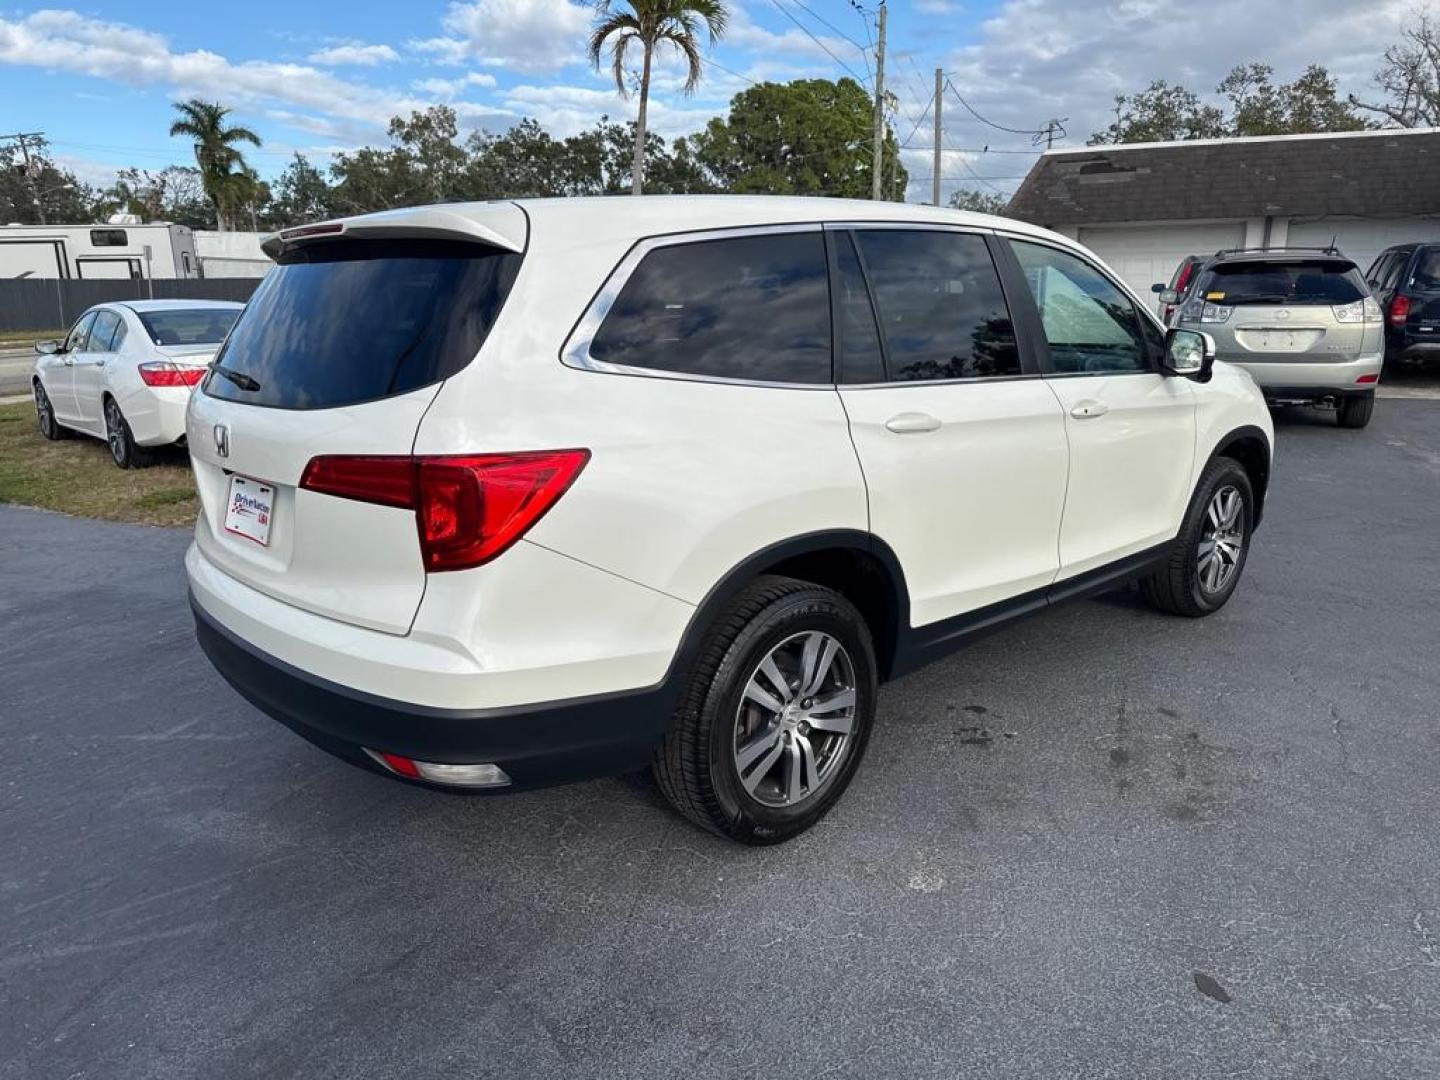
215	152
651	22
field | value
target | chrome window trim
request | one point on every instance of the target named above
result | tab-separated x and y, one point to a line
575	353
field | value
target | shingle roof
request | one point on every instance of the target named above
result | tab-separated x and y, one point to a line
1369	173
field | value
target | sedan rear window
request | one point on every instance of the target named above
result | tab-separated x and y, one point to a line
189	326
1315	281
356	320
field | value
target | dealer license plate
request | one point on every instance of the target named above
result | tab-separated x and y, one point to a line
249	509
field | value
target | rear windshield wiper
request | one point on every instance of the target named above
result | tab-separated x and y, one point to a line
239	378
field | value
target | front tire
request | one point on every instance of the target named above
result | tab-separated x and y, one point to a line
124	451
776	714
1208	556
1355	412
50	427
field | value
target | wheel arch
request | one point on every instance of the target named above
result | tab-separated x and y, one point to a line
858	565
1250	446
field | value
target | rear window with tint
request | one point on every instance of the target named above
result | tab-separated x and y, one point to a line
753	307
355	320
1319	281
191	326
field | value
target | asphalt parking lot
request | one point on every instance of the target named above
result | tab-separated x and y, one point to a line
1101	843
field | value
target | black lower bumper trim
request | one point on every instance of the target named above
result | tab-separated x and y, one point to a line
1315	393
536	745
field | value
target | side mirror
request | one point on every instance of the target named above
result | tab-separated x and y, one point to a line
1189	354
1158	287
1169	296
47	348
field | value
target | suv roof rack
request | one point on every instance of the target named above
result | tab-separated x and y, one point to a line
1329	249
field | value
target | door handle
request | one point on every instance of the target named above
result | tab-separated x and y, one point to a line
912	423
1089	409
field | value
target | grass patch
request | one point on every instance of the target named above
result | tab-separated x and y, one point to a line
26	337
76	476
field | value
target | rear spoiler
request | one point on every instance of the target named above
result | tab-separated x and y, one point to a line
497	224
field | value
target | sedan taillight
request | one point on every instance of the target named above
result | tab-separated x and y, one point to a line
164	373
469	508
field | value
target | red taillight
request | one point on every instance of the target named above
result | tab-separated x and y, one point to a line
388	481
164	373
402	765
1184	278
1399	309
468	508
1373	377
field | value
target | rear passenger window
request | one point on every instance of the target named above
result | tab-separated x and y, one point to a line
942	312
1427	269
1090	325
101	334
755	308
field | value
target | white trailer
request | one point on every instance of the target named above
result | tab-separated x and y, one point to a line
134	252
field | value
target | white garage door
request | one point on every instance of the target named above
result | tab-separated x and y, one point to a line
1362	240
1144	254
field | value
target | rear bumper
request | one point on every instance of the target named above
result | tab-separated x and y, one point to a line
536	744
156	415
1298	381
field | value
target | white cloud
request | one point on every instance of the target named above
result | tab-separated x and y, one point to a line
446	89
743	32
354	53
566	110
68	41
522	35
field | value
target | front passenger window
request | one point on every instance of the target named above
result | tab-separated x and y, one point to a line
1090	325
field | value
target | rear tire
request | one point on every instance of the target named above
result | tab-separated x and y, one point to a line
1355	412
1208	556
123	450
734	765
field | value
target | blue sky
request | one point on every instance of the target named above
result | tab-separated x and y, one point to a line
323	76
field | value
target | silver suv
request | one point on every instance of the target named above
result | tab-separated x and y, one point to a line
1301	321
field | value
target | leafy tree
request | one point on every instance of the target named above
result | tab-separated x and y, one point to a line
62	198
1161	113
301	195
1409	77
807	137
176	193
650	23
1309	104
981	202
217	154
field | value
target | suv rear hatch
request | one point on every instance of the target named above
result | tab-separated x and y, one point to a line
1417	300
340	352
1301	310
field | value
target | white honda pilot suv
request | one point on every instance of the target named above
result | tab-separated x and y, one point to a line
504	494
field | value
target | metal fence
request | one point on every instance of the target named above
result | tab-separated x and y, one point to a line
53	304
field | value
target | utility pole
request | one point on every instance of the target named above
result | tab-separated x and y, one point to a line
876	179
21	137
939	94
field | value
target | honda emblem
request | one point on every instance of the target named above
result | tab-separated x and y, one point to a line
222	440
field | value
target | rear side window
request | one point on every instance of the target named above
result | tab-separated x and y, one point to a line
355	320
942	311
1317	281
103	332
755	308
1427	269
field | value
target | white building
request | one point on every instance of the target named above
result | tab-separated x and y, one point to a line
1143	207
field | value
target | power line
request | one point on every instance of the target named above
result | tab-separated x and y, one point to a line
989	123
722	67
828	24
806	30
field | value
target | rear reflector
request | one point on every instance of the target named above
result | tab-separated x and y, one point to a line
164	373
479	774
469	508
1373	377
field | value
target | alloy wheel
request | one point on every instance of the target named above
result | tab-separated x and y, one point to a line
1222	539
43	411
794	726
115	431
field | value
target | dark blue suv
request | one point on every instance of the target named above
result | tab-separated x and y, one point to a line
1406	282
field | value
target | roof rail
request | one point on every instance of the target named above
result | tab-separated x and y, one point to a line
1328	249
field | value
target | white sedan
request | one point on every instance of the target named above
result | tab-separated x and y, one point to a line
125	372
